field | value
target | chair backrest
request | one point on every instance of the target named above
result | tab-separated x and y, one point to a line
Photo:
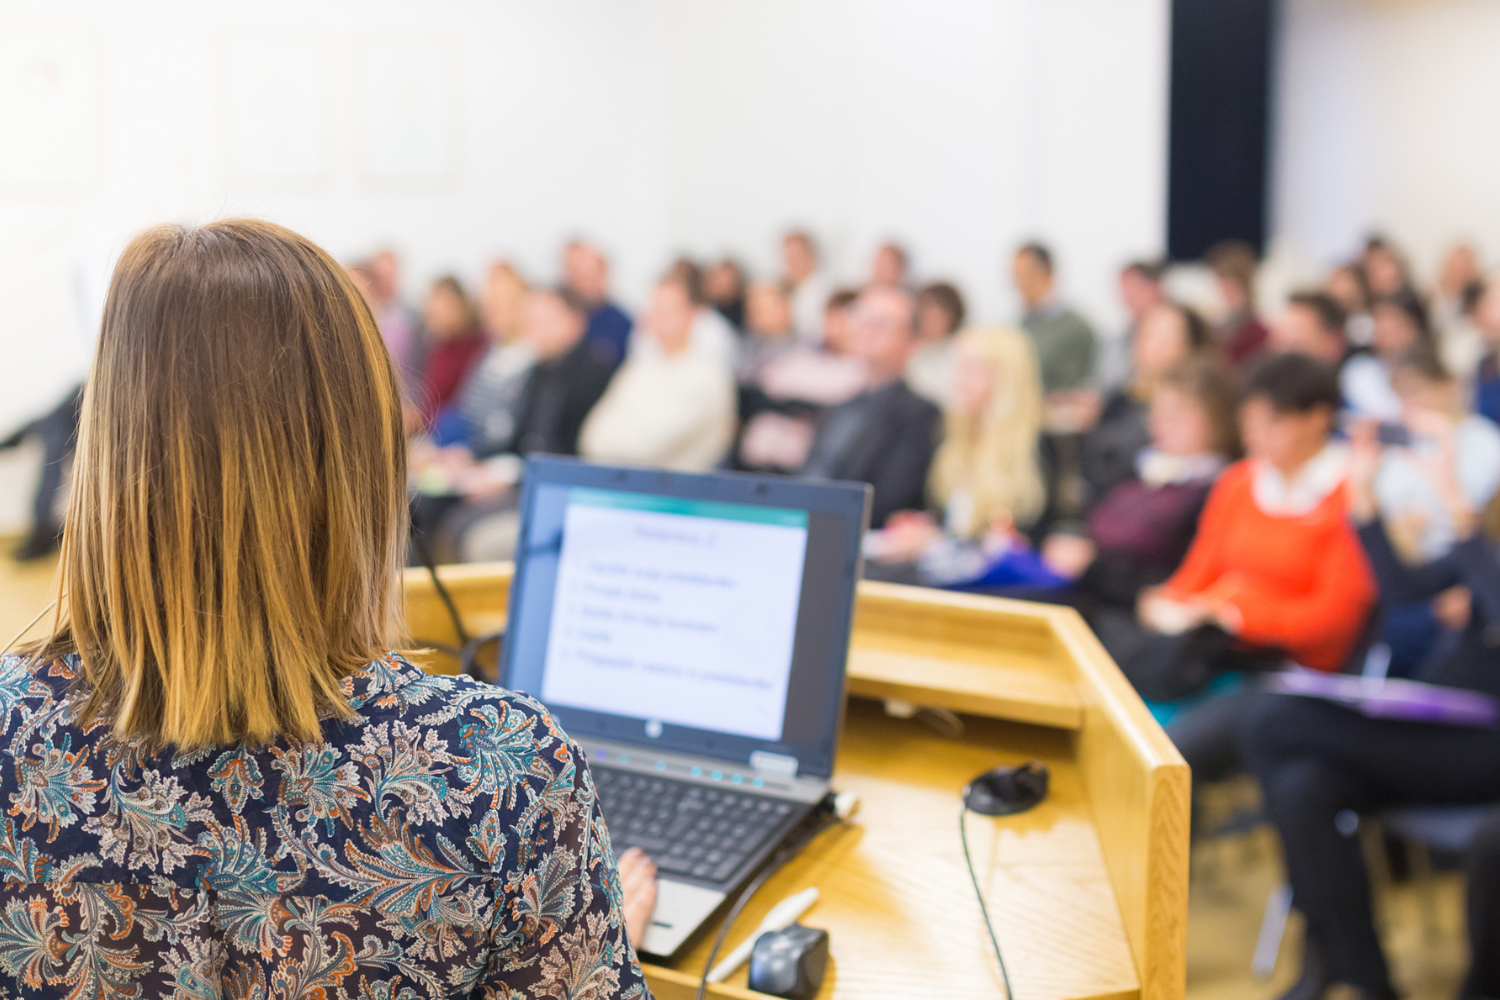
1446	828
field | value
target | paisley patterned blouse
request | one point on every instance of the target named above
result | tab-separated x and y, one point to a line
444	843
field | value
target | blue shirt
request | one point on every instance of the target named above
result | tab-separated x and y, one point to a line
443	842
609	332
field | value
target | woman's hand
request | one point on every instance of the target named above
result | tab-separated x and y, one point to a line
906	534
1068	555
1364	461
638	887
1168	615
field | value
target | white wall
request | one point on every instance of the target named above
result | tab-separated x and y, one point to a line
461	130
1387	113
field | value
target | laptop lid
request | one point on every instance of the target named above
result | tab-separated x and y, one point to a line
702	615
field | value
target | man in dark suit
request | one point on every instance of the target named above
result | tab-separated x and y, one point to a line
885	436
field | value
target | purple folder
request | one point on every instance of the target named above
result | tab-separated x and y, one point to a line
1412	701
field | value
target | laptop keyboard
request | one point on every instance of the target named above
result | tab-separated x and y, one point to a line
687	829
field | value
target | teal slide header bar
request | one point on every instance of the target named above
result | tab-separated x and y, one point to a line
782	516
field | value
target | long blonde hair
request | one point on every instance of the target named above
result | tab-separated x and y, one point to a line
238	505
993	455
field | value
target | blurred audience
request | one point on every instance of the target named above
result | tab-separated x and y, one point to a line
940	312
891	266
504	298
1140	530
886	435
586	275
399	323
1399	325
1274	572
1239	333
452	325
810	287
1317	761
1167	335
1314	323
724	289
671	408
1348	286
1140	289
986	480
1064	340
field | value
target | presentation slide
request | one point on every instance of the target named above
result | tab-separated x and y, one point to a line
676	610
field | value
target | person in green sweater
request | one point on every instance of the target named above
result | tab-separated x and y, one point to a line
1064	340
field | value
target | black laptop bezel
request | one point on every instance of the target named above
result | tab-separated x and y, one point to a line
849	500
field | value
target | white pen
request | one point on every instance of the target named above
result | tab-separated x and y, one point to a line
783	914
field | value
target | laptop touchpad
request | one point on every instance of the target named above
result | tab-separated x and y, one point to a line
680	909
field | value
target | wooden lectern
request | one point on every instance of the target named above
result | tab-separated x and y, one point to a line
1088	892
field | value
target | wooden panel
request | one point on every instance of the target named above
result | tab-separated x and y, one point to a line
948	679
1140	789
1116	856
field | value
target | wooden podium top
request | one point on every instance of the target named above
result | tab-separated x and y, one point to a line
1088	892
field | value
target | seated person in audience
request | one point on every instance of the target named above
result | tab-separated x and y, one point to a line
986	479
1141	529
1240	334
834	335
1386	270
769	333
891	266
809	287
1348	286
940	312
1487	378
1459	284
456	344
724	289
565	381
400	324
1313	324
482	416
670	408
1400	324
1064	340
886	435
1438	429
586	275
1274	571
711	331
1168	334
781	407
1140	290
1408	486
1315	759
500	307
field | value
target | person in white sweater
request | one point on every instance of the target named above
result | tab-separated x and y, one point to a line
668	406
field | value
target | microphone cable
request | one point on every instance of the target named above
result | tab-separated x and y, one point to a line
963	836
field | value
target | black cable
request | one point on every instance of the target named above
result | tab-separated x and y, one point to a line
963	835
788	851
420	541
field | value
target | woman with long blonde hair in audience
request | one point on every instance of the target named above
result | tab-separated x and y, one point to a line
986	479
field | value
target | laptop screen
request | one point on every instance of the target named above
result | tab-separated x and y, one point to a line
699	614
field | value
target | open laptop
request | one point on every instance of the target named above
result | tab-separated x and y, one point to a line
691	633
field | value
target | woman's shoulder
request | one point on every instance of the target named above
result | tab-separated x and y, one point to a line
393	689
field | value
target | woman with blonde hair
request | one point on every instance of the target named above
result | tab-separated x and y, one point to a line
986	479
221	781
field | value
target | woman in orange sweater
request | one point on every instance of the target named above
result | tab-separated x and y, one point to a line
1275	571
